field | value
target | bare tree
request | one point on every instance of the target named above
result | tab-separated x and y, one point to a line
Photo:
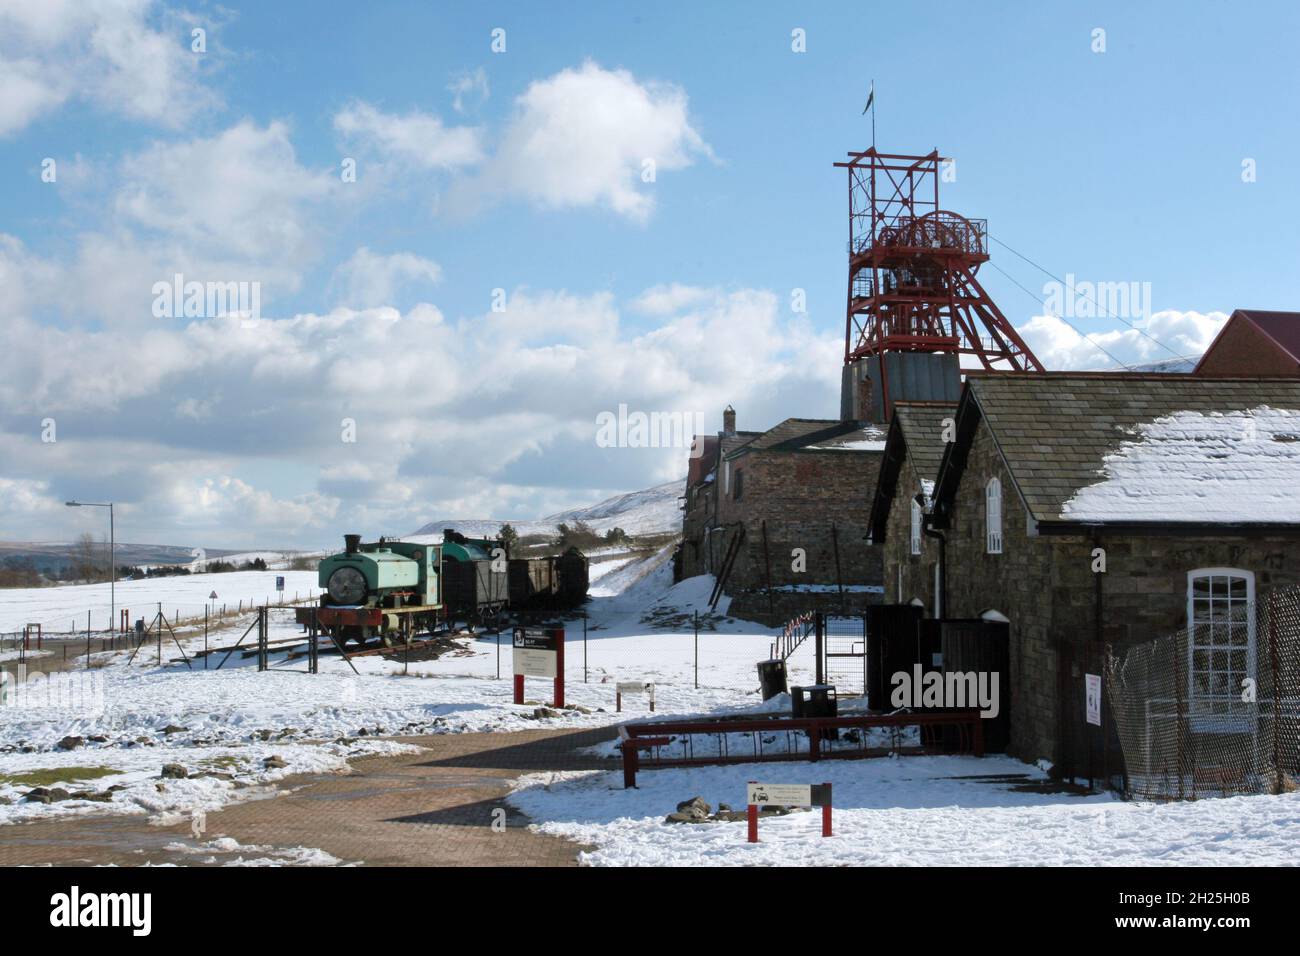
89	559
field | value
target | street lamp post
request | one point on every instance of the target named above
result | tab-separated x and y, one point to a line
112	556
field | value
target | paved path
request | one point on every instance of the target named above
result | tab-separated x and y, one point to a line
432	808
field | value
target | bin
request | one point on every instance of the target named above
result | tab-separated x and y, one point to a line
816	700
771	678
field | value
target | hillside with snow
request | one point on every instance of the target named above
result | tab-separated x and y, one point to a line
650	511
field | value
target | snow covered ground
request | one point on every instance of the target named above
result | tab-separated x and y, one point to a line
133	719
59	608
235	732
904	811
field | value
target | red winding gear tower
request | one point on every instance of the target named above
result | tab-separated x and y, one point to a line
914	304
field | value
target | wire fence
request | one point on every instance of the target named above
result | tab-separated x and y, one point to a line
1214	709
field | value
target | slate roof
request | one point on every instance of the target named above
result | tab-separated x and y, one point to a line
922	428
915	432
1055	430
794	434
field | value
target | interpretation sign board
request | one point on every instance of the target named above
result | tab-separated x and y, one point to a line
538	652
787	795
625	687
1092	697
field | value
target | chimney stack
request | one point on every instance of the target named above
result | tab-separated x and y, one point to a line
728	421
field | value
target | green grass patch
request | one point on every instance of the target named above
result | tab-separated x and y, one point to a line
225	763
44	778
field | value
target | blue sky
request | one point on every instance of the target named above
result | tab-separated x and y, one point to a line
1122	165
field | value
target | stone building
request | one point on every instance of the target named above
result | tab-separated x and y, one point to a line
909	466
1182	485
782	514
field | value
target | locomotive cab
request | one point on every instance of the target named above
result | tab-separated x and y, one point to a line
388	589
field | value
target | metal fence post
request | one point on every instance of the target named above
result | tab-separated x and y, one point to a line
1277	695
697	648
819	647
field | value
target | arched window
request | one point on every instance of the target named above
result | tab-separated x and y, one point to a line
1220	647
993	516
916	527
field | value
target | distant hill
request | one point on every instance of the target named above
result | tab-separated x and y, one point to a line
651	511
1176	365
52	557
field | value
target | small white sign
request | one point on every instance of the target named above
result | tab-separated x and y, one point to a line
1092	697
631	687
534	663
779	794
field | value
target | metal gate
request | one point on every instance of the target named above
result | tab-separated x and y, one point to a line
843	658
1087	751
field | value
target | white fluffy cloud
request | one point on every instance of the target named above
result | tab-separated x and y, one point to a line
419	139
369	278
590	137
239	193
469	89
235	206
492	414
670	298
1184	335
130	57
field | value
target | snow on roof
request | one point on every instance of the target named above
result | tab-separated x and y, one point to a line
857	444
870	438
1238	466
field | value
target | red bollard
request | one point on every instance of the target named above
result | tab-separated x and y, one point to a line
826	812
752	814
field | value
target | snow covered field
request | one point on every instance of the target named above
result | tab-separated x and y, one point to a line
58	608
904	811
134	719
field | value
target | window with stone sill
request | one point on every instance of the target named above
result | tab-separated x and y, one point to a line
993	516
916	528
1220	648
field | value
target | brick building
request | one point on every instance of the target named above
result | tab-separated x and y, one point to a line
782	514
1182	484
1252	342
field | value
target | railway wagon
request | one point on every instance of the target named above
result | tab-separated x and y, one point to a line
474	578
531	581
571	577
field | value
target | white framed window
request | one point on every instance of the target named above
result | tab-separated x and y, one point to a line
916	527
993	516
1220	647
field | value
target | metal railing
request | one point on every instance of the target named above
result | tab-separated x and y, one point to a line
693	743
797	630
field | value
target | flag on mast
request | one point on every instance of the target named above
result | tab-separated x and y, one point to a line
871	98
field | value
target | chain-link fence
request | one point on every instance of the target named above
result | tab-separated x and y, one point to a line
1213	709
